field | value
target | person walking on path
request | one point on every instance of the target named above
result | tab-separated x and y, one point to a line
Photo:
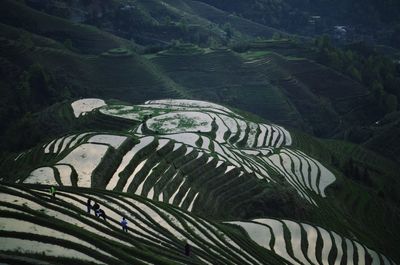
96	208
124	224
89	205
102	214
53	192
188	249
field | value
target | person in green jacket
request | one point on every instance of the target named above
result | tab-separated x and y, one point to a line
53	192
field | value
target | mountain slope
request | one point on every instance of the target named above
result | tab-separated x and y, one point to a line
279	88
50	59
154	22
240	188
367	20
207	159
157	233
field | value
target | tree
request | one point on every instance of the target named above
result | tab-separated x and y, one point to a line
323	42
167	20
35	88
227	27
212	42
25	39
395	38
354	73
276	36
40	83
175	43
390	103
377	90
183	25
68	44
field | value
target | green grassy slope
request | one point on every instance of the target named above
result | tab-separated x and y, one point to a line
222	76
276	86
384	137
102	72
40	69
279	88
86	39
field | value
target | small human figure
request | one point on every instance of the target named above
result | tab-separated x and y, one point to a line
53	192
124	224
89	205
102	214
96	208
188	249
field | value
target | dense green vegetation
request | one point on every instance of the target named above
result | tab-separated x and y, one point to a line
362	63
155	24
365	20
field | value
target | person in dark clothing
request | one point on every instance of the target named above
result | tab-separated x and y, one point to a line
124	224
89	205
188	249
96	208
102	214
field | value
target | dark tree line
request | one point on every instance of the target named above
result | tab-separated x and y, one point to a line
363	64
370	17
33	90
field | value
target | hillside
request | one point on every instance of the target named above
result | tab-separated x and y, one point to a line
157	233
49	57
157	23
383	133
280	88
373	21
201	122
206	159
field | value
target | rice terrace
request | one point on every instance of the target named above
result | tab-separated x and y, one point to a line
181	159
199	132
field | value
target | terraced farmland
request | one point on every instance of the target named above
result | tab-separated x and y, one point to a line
179	142
303	172
301	243
180	158
240	189
32	222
